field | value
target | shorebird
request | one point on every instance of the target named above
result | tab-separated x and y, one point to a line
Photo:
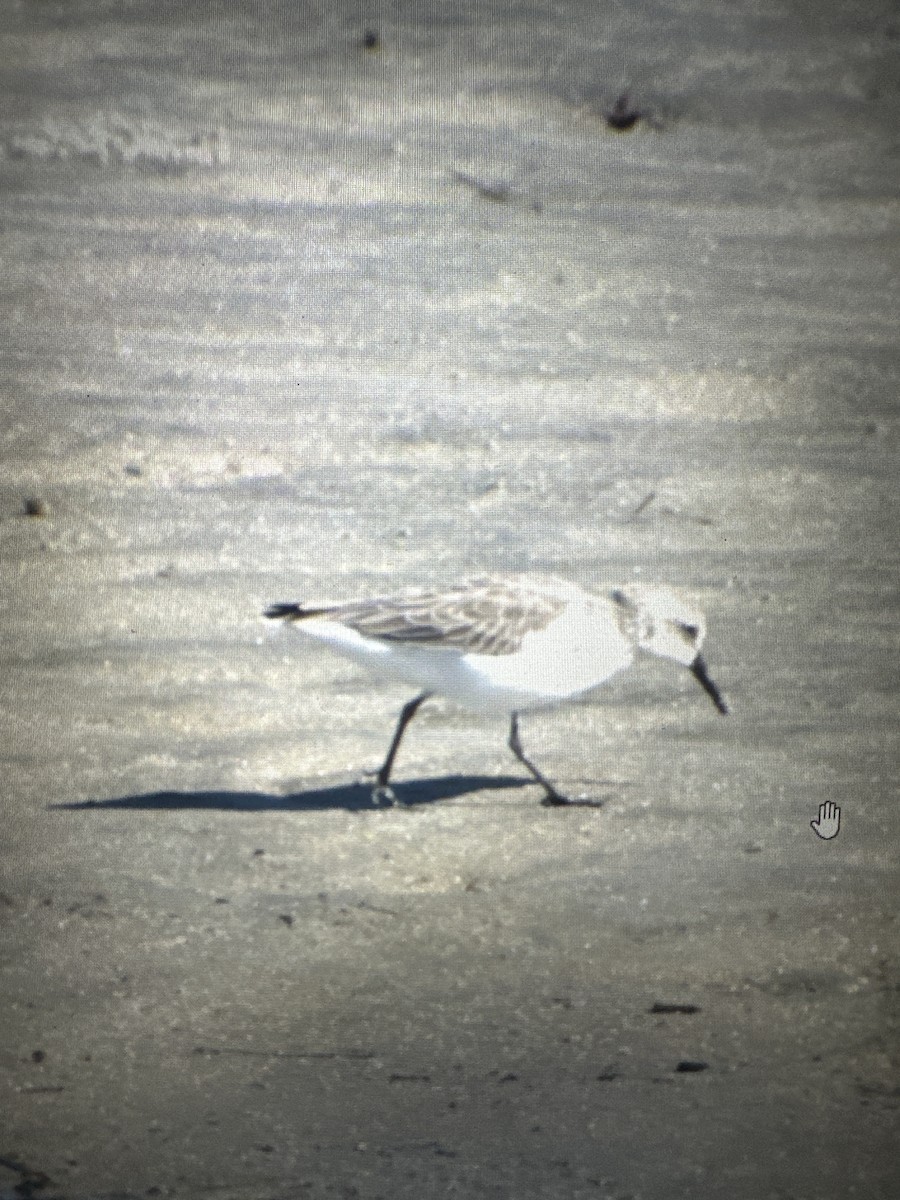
506	646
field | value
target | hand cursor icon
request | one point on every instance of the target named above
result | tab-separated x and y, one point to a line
829	821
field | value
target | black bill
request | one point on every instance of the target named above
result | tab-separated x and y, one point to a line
700	673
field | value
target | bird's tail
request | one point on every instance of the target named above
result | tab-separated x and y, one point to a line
293	612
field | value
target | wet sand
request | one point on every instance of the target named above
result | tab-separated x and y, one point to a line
288	317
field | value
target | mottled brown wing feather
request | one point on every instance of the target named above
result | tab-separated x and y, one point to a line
479	618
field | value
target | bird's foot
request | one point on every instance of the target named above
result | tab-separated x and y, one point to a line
553	799
384	796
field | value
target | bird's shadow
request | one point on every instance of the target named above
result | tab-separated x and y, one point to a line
353	797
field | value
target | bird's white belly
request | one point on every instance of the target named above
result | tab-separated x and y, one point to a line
565	659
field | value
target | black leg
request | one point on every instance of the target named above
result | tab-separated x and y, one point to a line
552	796
409	711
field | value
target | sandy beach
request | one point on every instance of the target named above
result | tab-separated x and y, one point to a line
308	302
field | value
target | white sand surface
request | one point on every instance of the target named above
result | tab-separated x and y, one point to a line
288	318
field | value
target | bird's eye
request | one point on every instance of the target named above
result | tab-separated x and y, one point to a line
691	632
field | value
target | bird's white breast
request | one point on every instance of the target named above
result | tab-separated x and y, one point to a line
581	649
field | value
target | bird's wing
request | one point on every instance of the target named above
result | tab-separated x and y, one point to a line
480	617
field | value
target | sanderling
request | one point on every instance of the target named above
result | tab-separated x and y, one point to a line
506	645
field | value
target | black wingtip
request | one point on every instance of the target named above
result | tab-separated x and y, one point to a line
293	612
284	612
